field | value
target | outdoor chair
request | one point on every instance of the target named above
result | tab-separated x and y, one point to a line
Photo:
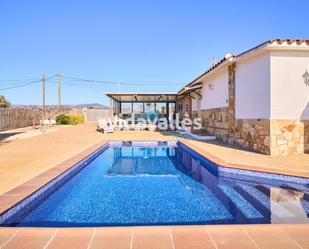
105	125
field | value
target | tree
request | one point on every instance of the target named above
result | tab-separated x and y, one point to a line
4	103
34	114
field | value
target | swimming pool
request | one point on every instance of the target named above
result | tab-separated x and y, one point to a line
157	184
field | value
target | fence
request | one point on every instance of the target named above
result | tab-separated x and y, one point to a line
12	118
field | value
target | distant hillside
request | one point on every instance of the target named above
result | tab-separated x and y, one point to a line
92	105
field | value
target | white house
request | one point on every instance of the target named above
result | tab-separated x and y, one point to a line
258	99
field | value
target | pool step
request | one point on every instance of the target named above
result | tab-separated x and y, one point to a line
249	211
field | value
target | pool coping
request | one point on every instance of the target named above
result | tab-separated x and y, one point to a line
18	194
222	163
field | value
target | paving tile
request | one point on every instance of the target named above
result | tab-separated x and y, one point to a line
304	244
152	238
277	244
41	181
116	238
8	201
230	236
297	232
52	173
72	238
269	236
5	234
23	190
30	238
196	237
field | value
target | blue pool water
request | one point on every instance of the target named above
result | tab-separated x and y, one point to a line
165	185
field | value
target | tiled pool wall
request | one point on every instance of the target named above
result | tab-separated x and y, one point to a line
16	213
143	143
241	174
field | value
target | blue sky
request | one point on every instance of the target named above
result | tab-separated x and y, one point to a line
151	41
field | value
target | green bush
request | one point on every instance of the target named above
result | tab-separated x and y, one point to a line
76	119
69	119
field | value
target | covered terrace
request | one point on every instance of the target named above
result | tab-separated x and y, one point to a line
143	105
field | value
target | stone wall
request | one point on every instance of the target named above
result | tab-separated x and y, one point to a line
217	122
253	134
289	136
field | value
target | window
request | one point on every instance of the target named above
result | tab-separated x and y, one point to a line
161	108
138	107
149	107
126	108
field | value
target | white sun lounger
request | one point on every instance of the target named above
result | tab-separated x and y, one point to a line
106	125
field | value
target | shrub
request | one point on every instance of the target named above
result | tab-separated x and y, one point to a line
76	119
69	119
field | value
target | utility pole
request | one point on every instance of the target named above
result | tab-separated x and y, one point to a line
59	92
43	99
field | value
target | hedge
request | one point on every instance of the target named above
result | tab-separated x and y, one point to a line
69	119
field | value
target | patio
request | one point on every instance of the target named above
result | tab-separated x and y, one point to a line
176	237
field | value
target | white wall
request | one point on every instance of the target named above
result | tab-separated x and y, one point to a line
289	94
196	103
252	87
218	96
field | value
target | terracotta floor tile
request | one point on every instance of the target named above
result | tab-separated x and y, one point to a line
38	181
298	232
7	201
304	244
277	244
269	236
30	238
236	245
264	232
116	238
5	234
224	234
23	190
72	238
185	237
152	238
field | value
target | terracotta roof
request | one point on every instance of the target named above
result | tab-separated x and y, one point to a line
289	41
275	42
208	71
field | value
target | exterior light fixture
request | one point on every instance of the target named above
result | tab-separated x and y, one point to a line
211	86
306	78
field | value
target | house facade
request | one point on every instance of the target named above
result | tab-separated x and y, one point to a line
257	100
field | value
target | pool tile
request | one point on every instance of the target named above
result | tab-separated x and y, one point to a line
6	234
152	238
72	238
196	237
116	238
30	238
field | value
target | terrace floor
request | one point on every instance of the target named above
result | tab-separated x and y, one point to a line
176	237
23	159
